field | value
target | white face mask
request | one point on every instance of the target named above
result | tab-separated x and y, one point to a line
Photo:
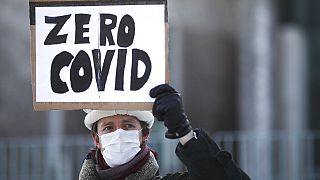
120	146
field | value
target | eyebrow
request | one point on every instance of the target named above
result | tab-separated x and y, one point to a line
129	120
106	123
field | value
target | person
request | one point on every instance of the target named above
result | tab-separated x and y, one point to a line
121	151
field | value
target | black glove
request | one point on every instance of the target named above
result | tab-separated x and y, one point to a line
168	108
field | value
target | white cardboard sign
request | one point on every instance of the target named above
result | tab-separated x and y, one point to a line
99	54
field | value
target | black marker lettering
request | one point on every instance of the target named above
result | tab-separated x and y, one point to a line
126	31
81	64
62	59
101	76
53	37
122	53
105	29
80	20
136	82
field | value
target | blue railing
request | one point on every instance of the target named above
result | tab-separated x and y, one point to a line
41	158
276	155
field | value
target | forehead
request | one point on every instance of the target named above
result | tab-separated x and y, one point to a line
118	119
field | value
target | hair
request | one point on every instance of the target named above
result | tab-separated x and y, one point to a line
145	129
94	128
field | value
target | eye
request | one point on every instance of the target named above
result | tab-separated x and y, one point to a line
129	126
108	129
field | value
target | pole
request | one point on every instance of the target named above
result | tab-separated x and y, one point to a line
293	96
54	153
255	83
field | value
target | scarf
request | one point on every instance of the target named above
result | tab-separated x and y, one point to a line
144	159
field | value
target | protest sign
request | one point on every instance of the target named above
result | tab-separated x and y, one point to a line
97	54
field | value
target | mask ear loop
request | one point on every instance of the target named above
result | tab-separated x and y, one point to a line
99	138
98	135
141	131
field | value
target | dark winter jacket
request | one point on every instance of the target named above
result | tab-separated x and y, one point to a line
201	155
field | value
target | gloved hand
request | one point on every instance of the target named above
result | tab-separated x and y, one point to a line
168	108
